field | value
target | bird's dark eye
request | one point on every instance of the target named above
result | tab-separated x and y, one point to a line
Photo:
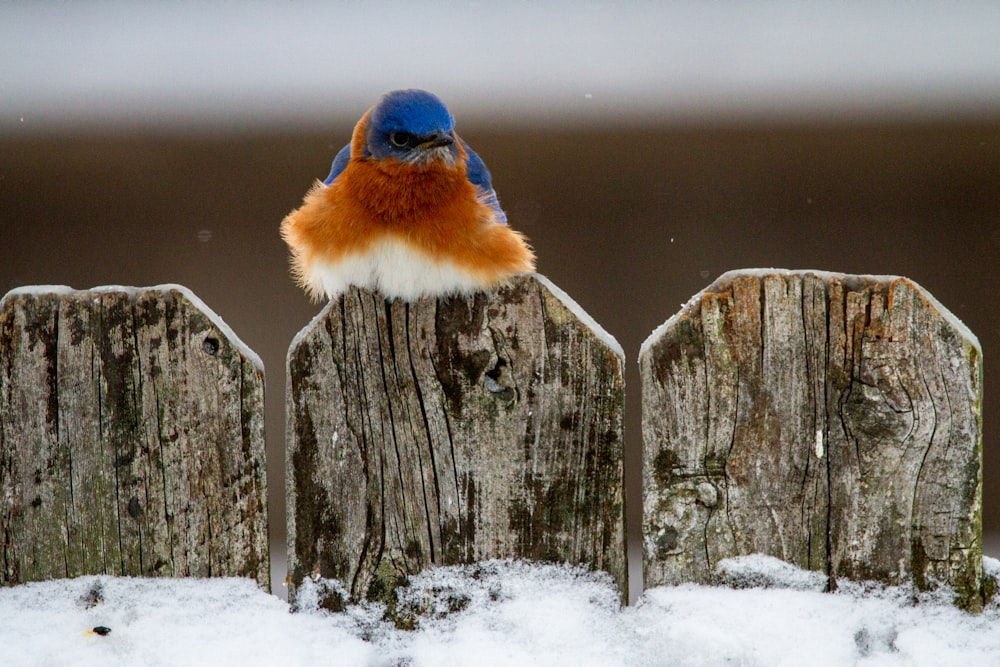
400	139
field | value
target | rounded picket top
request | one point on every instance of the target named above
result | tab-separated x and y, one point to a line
132	436
833	421
447	431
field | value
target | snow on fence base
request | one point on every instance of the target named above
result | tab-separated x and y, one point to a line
448	431
832	421
131	438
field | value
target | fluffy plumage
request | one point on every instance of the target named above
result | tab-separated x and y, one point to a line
408	209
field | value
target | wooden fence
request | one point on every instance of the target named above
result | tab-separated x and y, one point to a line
832	421
131	438
448	431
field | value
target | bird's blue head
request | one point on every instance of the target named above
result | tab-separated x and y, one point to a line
412	126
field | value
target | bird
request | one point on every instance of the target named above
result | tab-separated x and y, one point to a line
408	209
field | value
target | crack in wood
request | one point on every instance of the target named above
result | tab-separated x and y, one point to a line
138	418
867	376
493	472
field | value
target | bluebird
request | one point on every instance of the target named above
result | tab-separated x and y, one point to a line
408	209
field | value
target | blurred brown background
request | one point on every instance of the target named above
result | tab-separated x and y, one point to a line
632	206
629	222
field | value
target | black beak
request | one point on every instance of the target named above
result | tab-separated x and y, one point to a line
436	140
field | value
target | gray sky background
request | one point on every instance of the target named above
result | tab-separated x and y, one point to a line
181	65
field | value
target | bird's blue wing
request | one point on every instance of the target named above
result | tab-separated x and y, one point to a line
479	176
339	163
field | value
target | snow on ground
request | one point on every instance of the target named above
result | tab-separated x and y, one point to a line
495	613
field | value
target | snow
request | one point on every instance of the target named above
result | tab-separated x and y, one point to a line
758	570
497	613
218	322
36	290
305	331
949	317
610	341
946	314
600	332
658	332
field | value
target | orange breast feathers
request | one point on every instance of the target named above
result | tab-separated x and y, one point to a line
407	230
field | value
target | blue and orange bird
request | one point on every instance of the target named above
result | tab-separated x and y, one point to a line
408	209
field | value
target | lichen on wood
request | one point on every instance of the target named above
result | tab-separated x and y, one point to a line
832	421
447	431
131	438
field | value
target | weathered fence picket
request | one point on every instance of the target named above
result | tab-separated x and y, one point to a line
131	438
452	430
832	421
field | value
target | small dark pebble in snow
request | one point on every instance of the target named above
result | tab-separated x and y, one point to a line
93	597
102	631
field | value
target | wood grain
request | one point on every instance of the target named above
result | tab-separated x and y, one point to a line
448	431
832	421
131	439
